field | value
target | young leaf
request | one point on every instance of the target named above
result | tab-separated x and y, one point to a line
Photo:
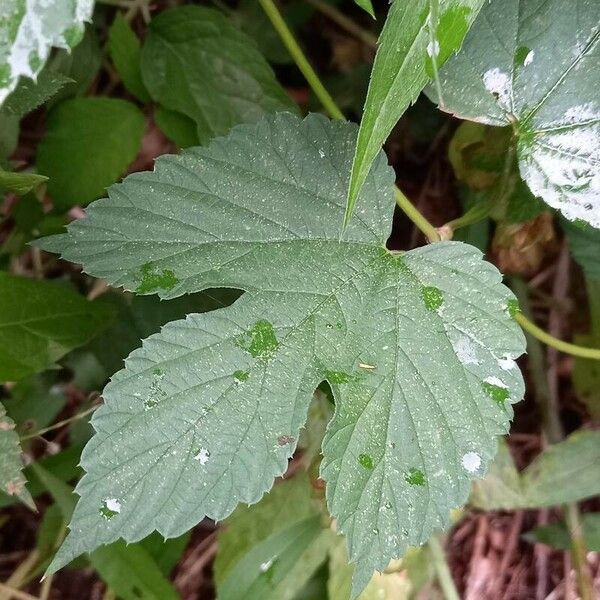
131	573
271	550
40	322
208	411
89	144
124	49
535	67
19	183
409	46
28	30
195	62
12	481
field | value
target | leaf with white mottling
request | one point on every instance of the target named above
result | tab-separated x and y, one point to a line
535	65
28	31
209	410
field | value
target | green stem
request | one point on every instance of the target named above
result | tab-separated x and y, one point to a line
579	551
415	216
476	213
287	37
344	22
550	340
60	424
442	571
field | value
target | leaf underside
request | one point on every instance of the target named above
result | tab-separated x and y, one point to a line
419	348
534	65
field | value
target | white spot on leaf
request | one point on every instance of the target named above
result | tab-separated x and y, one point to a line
498	83
202	456
471	461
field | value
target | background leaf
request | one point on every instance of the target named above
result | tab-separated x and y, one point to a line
211	407
124	48
29	30
271	549
89	144
30	94
563	473
195	62
534	66
40	322
402	68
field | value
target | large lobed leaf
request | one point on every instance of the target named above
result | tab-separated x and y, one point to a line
533	64
419	348
417	38
28	31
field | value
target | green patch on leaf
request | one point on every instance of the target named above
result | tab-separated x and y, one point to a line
415	476
432	297
260	341
366	460
497	393
153	280
109	508
338	377
512	307
240	375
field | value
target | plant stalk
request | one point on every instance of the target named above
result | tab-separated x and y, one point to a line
476	213
550	340
59	424
287	37
442	571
